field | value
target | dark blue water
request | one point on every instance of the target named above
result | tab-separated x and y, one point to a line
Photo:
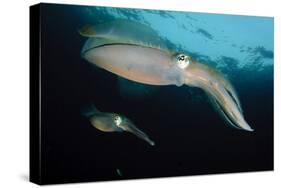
191	138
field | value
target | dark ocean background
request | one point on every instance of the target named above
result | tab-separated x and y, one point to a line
190	137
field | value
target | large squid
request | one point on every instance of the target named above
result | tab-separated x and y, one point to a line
135	51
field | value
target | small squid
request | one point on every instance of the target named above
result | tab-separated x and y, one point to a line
112	122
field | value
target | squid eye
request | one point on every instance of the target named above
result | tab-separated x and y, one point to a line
182	61
181	58
117	120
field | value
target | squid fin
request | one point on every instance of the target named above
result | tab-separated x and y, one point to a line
89	110
87	31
